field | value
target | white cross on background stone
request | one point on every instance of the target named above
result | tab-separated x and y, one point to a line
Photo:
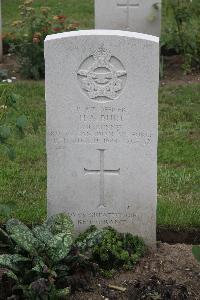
101	172
128	4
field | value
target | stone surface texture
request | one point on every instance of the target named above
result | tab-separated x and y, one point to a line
134	15
101	100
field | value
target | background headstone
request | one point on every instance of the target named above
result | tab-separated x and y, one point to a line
142	16
101	98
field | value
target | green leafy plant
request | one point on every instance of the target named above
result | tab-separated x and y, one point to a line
30	33
45	262
34	258
111	249
196	252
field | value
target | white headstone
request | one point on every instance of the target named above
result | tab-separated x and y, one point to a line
134	15
101	99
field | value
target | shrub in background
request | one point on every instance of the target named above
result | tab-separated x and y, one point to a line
181	31
30	33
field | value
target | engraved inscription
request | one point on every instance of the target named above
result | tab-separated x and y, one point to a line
100	125
102	76
128	4
101	172
102	218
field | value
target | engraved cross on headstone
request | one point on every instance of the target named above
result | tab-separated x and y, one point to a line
128	4
101	172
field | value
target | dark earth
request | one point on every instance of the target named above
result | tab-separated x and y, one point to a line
169	273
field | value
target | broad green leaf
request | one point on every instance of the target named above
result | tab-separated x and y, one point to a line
11	261
22	236
56	246
196	252
64	242
39	265
11	275
93	238
61	227
44	237
21	122
60	223
4	237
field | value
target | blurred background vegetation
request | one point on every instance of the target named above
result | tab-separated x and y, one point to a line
180	29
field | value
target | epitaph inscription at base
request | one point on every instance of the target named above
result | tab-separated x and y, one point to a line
101	99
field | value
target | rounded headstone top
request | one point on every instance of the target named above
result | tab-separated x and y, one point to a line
104	32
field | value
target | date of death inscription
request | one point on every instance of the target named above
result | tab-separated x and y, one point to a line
93	125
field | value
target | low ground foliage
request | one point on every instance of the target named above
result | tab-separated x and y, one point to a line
43	262
110	249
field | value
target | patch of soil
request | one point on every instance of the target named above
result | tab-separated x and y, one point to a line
174	73
9	63
154	288
172	235
169	273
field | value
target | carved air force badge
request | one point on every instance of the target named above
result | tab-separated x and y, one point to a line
102	76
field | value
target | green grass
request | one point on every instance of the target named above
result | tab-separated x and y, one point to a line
179	156
24	180
81	11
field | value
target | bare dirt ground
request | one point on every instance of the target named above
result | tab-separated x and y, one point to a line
171	268
174	74
9	63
